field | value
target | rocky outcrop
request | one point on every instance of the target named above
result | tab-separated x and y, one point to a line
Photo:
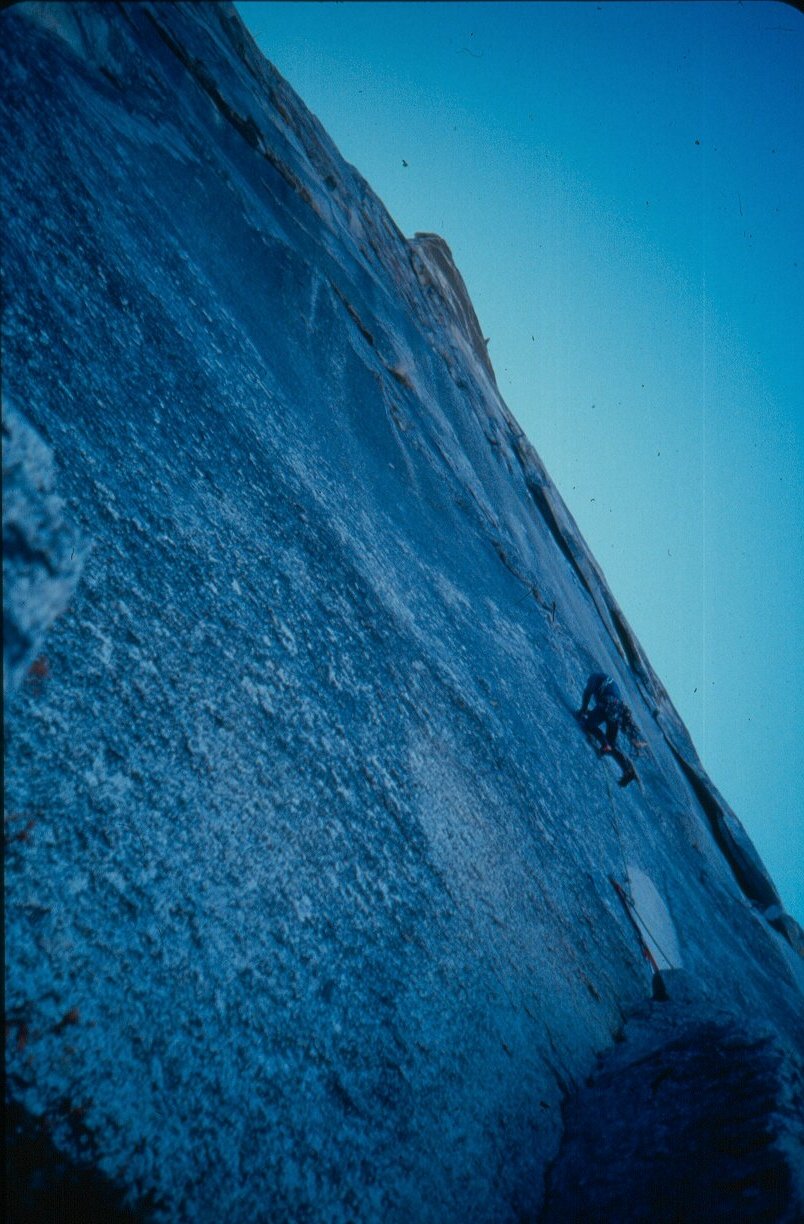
438	274
42	559
694	1115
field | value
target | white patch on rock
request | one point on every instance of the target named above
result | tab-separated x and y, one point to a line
653	918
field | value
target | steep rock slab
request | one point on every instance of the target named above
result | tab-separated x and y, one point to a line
316	919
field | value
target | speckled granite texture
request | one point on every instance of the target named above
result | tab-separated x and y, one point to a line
309	912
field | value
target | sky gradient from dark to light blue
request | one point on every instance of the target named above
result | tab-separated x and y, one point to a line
621	185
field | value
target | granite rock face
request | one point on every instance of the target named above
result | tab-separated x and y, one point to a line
313	915
40	564
694	1115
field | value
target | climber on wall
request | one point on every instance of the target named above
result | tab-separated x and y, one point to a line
609	708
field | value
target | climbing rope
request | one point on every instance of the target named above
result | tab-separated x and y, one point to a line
616	824
626	904
641	921
624	892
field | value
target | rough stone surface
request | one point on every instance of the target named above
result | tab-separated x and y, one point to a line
695	1115
40	565
309	911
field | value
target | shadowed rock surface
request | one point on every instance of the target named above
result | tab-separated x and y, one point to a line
695	1115
46	1185
311	915
40	566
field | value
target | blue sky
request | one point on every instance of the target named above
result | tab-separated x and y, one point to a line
621	185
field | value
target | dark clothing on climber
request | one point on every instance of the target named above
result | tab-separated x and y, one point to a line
611	710
608	706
